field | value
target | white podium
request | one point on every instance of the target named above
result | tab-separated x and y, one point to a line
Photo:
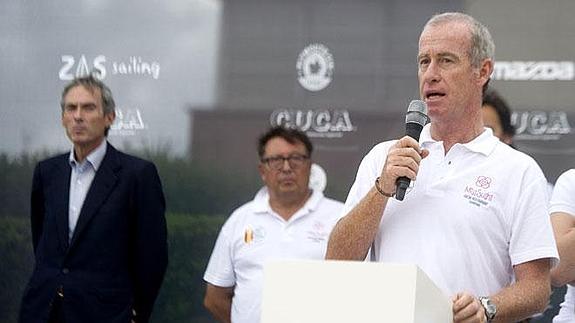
351	292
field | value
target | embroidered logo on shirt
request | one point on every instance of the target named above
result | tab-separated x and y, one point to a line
479	194
318	232
483	181
254	235
248	235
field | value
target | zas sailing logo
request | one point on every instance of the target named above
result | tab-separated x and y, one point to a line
315	67
102	66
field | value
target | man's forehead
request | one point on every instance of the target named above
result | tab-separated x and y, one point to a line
277	143
93	91
440	42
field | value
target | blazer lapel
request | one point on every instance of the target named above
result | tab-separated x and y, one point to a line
102	185
62	180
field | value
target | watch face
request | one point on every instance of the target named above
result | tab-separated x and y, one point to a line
490	308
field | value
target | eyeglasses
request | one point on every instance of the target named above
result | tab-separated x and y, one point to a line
277	162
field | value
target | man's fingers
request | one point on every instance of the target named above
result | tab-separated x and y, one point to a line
407	142
403	162
406	152
466	308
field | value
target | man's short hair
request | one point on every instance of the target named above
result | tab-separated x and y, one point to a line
290	135
92	84
482	45
493	99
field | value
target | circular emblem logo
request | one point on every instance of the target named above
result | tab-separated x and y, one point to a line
314	67
483	181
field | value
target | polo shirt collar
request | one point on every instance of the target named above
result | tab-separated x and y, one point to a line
262	201
483	144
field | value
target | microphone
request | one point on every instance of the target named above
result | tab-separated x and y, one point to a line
415	119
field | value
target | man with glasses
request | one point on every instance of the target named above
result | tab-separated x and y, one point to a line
285	220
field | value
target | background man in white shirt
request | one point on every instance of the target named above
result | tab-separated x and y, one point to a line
285	220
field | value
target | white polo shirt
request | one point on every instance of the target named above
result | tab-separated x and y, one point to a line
563	200
471	215
254	234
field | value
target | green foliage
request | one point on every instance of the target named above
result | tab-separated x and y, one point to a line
190	237
16	264
202	189
188	186
15	183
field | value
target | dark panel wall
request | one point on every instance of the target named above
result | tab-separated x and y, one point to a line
374	45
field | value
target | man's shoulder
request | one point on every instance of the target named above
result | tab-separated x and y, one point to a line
244	209
129	160
513	157
239	215
567	176
515	165
54	160
331	203
329	208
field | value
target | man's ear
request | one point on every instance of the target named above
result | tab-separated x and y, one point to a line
485	70
261	171
110	117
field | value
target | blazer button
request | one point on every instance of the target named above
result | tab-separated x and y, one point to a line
60	291
65	270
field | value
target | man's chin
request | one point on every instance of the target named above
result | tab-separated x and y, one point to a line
288	188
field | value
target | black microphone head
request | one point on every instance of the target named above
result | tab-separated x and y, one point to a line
417	113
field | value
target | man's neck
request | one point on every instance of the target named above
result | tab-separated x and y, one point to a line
461	132
82	151
287	205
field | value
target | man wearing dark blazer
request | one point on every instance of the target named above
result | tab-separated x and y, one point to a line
98	225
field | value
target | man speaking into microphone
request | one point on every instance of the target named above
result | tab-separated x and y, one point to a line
475	215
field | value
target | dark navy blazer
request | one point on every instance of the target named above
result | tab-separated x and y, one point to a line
117	257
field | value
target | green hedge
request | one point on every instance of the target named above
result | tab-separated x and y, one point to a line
16	264
190	237
189	187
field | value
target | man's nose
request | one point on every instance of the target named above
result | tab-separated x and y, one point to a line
286	165
78	114
432	73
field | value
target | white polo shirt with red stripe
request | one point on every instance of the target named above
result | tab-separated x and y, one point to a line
254	235
471	215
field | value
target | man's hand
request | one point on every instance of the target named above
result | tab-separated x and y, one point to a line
402	160
467	309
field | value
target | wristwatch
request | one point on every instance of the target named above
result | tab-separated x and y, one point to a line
489	307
